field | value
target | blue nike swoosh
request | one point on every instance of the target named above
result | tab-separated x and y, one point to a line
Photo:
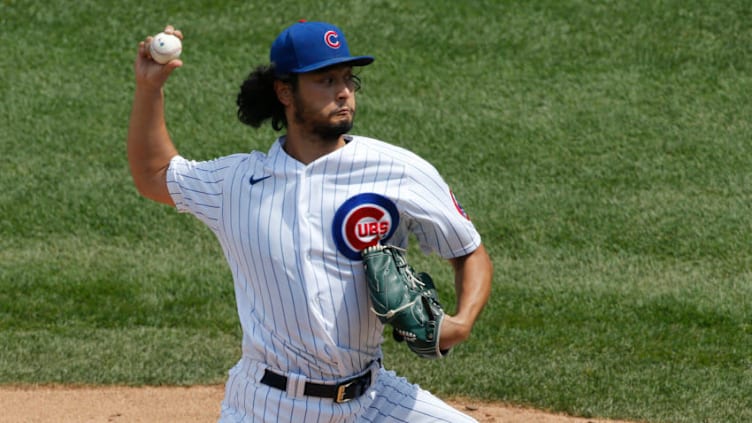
254	181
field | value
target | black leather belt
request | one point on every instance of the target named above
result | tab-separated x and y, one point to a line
343	392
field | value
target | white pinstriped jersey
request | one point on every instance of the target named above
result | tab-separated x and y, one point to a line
291	232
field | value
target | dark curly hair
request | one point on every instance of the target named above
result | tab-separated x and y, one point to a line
257	101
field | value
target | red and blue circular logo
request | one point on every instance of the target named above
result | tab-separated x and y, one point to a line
363	221
458	206
331	38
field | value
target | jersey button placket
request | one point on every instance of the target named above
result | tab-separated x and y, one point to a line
305	237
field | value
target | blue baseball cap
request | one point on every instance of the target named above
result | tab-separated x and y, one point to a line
309	46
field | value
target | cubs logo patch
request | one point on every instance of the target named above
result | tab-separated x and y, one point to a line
363	221
458	206
331	38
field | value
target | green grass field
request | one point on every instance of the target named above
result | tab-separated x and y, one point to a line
601	147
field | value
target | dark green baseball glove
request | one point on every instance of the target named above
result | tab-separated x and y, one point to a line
406	300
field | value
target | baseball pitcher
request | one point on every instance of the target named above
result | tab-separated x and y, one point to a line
314	232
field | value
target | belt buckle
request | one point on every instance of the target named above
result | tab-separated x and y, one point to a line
341	392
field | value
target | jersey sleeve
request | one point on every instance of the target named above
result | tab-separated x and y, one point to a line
197	187
436	217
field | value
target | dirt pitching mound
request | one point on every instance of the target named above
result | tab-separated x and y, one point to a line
196	404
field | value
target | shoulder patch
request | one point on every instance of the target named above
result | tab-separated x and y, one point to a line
458	206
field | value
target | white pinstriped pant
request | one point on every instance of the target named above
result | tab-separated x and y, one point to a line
390	399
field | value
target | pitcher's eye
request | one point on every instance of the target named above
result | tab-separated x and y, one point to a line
353	82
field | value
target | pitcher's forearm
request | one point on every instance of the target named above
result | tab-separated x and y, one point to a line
473	285
473	275
150	148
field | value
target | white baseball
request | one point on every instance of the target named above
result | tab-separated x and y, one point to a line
165	47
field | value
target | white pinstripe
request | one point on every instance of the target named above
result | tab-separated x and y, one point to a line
302	304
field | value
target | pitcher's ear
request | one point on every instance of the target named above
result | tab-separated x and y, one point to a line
284	92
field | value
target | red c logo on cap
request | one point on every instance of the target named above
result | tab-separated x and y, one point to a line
331	38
